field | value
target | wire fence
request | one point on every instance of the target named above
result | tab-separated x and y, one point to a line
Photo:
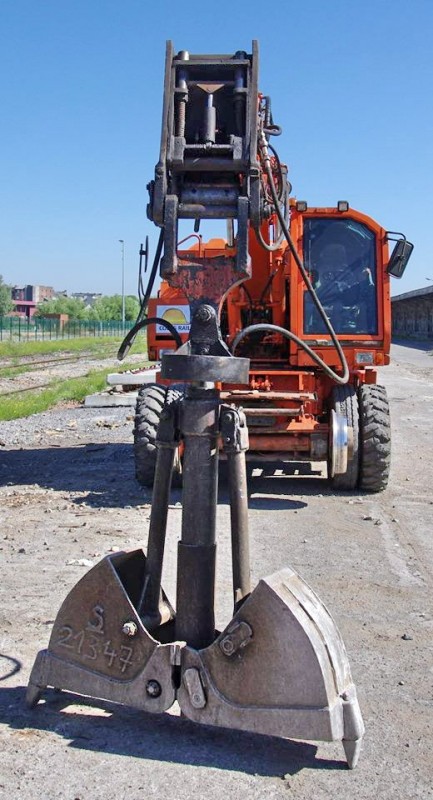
40	328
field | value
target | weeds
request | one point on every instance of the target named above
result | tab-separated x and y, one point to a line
59	391
34	401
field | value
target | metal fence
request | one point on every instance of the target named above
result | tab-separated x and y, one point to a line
40	328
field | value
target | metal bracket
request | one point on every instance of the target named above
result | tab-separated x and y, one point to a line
194	687
237	637
205	358
234	431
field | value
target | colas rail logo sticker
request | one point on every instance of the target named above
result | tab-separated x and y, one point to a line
179	316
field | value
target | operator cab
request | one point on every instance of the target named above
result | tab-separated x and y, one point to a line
340	256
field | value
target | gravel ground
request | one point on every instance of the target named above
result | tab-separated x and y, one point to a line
70	420
68	497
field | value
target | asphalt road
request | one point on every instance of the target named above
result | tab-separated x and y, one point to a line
67	493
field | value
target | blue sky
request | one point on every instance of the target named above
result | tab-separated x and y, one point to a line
81	87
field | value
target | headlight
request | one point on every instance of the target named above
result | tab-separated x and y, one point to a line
364	358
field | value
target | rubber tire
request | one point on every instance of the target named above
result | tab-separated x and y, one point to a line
345	402
150	402
375	438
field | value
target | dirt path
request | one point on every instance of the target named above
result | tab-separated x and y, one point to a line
67	493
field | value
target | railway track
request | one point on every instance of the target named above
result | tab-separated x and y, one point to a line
29	363
30	375
27	389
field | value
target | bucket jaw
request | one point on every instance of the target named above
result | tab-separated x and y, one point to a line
99	646
279	668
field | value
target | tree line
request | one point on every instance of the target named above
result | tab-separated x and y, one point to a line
105	309
6	303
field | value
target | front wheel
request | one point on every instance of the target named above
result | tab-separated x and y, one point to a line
345	404
150	402
374	438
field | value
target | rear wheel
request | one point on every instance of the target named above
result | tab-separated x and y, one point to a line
150	402
375	438
345	403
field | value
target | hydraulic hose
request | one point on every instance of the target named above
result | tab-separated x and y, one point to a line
144	252
263	326
284	189
340	379
267	285
130	336
271	248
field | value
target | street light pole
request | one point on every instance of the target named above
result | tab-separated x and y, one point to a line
123	284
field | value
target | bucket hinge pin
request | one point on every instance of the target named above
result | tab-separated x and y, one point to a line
236	638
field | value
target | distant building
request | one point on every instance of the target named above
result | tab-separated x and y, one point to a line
412	314
89	298
26	298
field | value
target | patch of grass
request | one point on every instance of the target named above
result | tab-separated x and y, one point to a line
59	391
12	372
20	368
102	345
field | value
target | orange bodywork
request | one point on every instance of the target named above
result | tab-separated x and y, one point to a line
288	401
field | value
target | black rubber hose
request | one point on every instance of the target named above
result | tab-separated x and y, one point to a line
263	326
271	248
152	276
130	336
340	379
248	294
267	285
279	170
285	189
141	292
274	130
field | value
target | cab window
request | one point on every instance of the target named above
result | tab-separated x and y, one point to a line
340	256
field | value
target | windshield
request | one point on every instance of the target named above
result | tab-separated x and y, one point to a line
340	257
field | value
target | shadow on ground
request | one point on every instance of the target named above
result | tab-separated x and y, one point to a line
9	665
415	344
102	475
163	737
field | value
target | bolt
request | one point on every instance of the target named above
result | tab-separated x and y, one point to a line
204	313
130	629
345	696
227	646
153	688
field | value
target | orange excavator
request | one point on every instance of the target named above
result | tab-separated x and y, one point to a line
269	341
303	292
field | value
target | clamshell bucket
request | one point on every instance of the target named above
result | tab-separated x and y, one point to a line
279	668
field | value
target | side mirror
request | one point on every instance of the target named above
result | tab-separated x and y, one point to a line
399	256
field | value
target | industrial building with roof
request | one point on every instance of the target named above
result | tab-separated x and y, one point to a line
412	314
